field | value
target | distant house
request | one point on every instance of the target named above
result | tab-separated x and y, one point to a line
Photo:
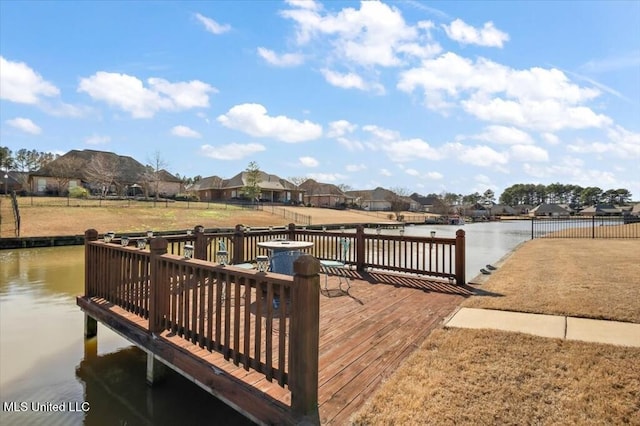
601	210
13	181
501	210
323	194
207	189
474	211
130	177
635	211
380	199
426	203
545	209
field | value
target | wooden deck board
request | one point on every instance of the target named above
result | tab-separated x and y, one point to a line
364	336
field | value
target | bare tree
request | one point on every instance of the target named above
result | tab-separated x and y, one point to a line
398	198
63	170
153	174
102	171
297	180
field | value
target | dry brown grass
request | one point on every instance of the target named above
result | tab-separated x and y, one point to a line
489	377
592	278
39	220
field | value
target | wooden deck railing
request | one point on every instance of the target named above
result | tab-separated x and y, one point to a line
267	322
439	257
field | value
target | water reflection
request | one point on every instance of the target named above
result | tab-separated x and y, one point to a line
45	359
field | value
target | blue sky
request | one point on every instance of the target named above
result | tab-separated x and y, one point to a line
424	96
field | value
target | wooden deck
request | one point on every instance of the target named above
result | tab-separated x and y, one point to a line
364	337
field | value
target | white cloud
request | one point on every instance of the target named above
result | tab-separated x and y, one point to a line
211	25
19	83
351	144
232	151
185	132
340	128
283	60
370	35
356	167
481	155
412	172
380	133
504	135
326	177
309	162
435	175
25	125
411	149
350	81
97	140
620	142
535	98
129	93
489	35
385	172
253	120
528	153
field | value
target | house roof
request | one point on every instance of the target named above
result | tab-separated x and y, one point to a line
601	208
265	181
422	200
129	169
210	182
546	208
313	188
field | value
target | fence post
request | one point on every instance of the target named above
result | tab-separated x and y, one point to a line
593	226
200	243
238	245
292	231
305	340
90	324
460	258
360	249
157	247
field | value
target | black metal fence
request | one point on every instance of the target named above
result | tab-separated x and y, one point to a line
586	227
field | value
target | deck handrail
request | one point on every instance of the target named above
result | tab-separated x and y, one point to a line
439	257
266	322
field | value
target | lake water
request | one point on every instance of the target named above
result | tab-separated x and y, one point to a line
45	360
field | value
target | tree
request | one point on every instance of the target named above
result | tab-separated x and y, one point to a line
63	170
344	187
251	188
471	198
101	172
623	196
153	174
297	180
489	196
6	159
591	195
397	197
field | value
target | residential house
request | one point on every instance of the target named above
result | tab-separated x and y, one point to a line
501	210
474	211
601	210
324	194
12	181
545	209
129	177
427	203
207	189
380	199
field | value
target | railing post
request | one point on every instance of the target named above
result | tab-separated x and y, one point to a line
593	226
200	246
238	245
305	340
460	257
89	263
292	231
157	247
360	248
90	324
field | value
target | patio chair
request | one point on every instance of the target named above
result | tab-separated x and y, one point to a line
222	248
327	266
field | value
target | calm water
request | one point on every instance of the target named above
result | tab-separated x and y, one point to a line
42	355
45	359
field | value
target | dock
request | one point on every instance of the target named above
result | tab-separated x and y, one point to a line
316	356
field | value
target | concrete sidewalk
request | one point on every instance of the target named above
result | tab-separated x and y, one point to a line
560	327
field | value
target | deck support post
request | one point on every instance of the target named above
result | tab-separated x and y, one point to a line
292	231
156	370
200	246
460	258
305	341
90	327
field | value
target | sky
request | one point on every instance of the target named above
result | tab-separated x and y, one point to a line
426	97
